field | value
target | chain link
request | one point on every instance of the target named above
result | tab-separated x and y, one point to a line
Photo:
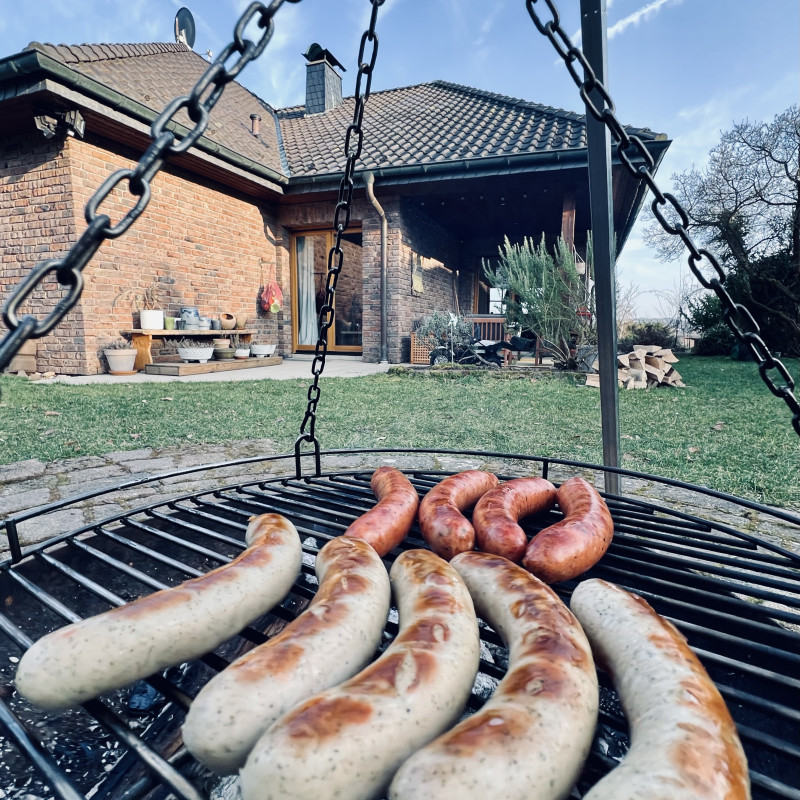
734	314
68	270
354	139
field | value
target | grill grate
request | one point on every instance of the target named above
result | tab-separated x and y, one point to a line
735	597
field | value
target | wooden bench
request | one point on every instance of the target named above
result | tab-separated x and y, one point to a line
142	340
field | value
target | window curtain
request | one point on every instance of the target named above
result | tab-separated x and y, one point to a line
308	332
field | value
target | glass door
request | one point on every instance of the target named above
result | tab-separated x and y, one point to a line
310	267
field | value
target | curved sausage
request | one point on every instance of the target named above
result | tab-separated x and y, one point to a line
122	645
496	514
441	521
387	524
532	736
329	642
348	741
684	744
576	543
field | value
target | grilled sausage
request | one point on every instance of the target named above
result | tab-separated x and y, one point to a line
122	645
531	738
387	524
576	543
328	643
348	741
496	514
441	521
684	744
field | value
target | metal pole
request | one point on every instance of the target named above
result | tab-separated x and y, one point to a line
593	29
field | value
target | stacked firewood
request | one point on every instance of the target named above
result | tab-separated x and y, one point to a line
645	366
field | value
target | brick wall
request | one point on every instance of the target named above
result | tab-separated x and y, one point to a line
419	237
37	222
197	244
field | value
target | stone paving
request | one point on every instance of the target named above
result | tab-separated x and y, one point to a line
33	483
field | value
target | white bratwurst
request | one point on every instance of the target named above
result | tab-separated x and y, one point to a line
329	642
348	741
530	740
120	646
684	744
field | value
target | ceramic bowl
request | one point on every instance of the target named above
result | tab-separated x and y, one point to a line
201	354
262	350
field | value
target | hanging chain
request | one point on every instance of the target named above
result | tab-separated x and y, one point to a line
354	139
737	317
68	270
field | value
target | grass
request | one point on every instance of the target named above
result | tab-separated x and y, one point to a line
753	453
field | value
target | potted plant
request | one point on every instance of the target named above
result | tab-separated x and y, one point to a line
191	350
120	357
262	350
148	302
241	348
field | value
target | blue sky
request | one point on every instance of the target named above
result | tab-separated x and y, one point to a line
687	68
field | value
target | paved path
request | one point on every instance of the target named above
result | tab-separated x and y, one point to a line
299	366
33	483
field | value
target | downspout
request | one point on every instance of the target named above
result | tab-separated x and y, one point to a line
369	182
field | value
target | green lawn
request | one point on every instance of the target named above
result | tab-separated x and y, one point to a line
676	433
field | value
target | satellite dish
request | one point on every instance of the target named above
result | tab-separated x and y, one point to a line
184	27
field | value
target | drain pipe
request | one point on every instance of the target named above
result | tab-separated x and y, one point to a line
369	182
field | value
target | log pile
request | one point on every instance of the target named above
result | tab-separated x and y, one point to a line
645	366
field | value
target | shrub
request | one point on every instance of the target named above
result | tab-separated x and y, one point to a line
717	341
656	333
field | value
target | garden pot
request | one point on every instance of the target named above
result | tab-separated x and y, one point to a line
121	361
190	318
241	321
262	350
151	319
227	321
242	352
201	353
223	353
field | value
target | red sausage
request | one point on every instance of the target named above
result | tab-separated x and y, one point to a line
444	527
496	514
387	524
576	543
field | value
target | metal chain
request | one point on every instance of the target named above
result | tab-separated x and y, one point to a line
353	142
734	314
68	270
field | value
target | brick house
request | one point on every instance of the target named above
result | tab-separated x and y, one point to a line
453	170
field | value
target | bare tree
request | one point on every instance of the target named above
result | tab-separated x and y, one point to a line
744	207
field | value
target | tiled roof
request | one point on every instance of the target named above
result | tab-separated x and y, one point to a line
153	74
430	123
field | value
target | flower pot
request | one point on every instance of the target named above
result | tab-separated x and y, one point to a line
190	318
262	350
242	352
121	361
220	343
241	321
201	353
151	319
227	321
223	353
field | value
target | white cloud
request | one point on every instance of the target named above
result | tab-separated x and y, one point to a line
644	14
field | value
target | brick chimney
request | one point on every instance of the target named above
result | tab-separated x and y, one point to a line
323	82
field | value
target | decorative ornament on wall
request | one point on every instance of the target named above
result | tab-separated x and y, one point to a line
271	297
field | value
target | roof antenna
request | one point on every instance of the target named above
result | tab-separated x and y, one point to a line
184	27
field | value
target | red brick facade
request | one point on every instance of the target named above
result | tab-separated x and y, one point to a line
197	243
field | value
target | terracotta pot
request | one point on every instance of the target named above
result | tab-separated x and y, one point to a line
227	321
120	361
241	321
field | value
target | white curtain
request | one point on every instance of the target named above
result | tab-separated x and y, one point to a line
308	332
